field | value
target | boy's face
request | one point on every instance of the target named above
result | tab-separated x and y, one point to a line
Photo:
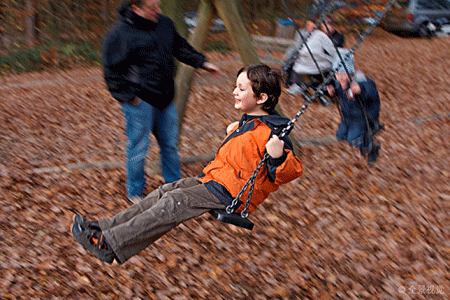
149	10
244	97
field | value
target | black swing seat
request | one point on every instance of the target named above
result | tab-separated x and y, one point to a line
234	218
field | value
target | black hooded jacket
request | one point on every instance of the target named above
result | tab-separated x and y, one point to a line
138	58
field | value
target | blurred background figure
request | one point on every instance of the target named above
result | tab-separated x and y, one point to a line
360	106
336	37
308	70
139	71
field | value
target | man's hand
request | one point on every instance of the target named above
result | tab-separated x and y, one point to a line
330	90
135	101
211	69
356	88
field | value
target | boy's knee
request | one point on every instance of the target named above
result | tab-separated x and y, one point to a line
178	203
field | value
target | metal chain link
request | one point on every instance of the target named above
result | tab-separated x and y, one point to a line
231	208
363	35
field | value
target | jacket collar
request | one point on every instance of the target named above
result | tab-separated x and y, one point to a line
128	16
273	120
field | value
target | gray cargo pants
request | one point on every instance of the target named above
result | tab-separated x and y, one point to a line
132	230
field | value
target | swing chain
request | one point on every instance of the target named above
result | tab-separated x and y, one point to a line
302	110
230	208
251	181
366	32
244	213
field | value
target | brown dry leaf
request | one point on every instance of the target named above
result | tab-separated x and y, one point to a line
374	189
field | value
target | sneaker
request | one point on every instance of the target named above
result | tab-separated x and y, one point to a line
376	128
85	224
92	240
373	155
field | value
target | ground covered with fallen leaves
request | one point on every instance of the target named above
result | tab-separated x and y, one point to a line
343	230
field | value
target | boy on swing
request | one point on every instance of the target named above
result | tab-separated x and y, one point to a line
360	106
256	94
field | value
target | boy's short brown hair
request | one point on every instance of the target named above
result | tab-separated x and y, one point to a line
264	80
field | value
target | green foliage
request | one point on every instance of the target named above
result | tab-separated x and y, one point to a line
21	60
88	51
50	55
218	46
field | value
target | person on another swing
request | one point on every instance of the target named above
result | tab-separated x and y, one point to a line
358	98
336	37
256	94
309	68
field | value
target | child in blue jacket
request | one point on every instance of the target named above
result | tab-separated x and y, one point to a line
360	107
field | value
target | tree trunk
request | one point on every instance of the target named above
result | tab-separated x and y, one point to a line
228	12
30	22
185	73
174	10
2	21
105	11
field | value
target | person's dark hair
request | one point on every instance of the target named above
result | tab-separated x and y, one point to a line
138	3
264	80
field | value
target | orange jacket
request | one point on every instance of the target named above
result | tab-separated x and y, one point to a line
240	154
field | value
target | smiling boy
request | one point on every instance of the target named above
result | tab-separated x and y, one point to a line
132	230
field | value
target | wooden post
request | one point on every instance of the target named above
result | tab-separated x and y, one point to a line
30	23
185	73
174	10
227	10
229	13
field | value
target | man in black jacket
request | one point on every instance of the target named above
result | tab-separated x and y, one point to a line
138	68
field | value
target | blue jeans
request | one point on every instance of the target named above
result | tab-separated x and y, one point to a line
141	119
